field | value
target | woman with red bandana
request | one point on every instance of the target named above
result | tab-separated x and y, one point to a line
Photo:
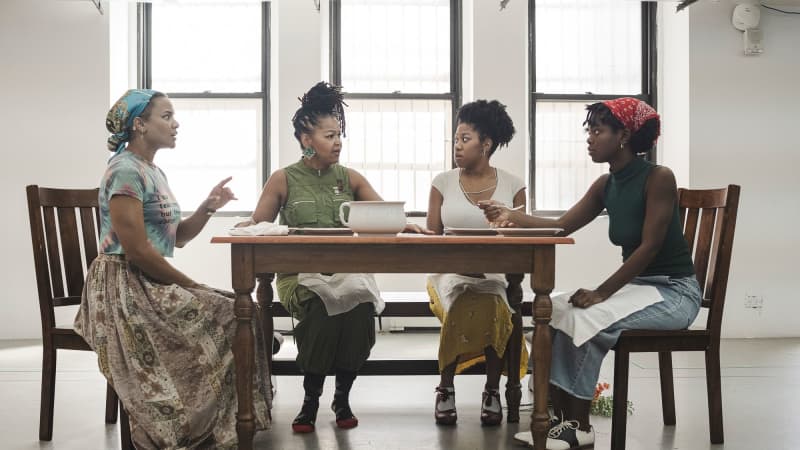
641	200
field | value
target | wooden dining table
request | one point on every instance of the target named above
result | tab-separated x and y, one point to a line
403	253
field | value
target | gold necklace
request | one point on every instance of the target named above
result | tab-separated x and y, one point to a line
467	193
476	192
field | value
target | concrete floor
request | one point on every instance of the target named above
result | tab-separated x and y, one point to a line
761	403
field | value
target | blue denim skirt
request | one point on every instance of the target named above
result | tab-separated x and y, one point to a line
576	369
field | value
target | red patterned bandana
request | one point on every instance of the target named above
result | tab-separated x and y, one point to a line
632	112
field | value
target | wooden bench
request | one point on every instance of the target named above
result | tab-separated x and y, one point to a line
271	307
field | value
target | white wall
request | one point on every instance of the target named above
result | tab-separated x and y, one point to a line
673	92
744	112
55	89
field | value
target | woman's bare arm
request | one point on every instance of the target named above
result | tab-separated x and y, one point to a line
127	221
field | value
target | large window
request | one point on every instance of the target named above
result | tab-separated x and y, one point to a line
398	62
581	52
220	96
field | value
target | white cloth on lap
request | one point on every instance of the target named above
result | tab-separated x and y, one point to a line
341	292
260	229
583	324
449	286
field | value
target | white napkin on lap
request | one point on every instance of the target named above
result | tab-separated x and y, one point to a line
583	324
341	292
260	229
449	286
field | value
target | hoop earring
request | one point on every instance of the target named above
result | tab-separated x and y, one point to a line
309	153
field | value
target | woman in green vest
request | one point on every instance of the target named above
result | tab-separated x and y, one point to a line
332	333
641	200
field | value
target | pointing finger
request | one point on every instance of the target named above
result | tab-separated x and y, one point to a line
223	182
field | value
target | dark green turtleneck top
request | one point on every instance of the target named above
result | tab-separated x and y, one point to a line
625	201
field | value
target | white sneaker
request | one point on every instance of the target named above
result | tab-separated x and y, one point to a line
562	436
567	436
524	437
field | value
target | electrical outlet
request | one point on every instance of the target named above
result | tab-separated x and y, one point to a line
753	301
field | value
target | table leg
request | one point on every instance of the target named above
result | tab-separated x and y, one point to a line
243	352
514	347
542	282
265	296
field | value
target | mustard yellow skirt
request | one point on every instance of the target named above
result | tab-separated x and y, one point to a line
475	321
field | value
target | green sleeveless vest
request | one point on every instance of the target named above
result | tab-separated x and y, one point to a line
312	201
313	197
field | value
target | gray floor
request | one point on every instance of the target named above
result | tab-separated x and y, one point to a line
761	393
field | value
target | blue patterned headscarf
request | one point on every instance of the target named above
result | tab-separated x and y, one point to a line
119	120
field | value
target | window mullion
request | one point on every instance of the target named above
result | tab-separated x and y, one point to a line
543	101
418	116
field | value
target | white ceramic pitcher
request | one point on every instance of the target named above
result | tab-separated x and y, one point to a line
374	217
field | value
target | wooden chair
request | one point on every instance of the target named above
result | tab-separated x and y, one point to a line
64	232
709	221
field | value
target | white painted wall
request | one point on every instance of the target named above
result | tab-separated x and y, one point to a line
744	113
54	83
54	93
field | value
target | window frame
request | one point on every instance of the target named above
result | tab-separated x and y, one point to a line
145	73
456	63
647	94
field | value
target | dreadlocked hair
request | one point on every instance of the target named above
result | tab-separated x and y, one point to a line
322	100
640	142
489	119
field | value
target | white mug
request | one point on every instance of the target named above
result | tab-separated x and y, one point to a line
374	217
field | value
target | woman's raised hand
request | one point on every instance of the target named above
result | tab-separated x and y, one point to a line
219	196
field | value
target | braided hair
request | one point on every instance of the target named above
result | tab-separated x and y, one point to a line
322	100
489	119
640	142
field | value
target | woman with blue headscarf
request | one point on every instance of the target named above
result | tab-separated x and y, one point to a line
163	340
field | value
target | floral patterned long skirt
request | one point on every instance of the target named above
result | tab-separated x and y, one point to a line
167	351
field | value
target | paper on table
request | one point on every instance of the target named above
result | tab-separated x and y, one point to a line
583	324
260	229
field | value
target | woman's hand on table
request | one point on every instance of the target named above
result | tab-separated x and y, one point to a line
414	228
584	298
246	223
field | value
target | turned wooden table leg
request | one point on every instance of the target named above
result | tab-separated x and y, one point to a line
243	352
514	347
542	282
265	296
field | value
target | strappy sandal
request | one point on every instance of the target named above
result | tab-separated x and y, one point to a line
444	414
344	415
493	416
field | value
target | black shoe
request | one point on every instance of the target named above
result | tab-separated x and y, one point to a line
489	402
344	415
444	410
304	422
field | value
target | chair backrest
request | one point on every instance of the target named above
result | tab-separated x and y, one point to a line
709	221
64	232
